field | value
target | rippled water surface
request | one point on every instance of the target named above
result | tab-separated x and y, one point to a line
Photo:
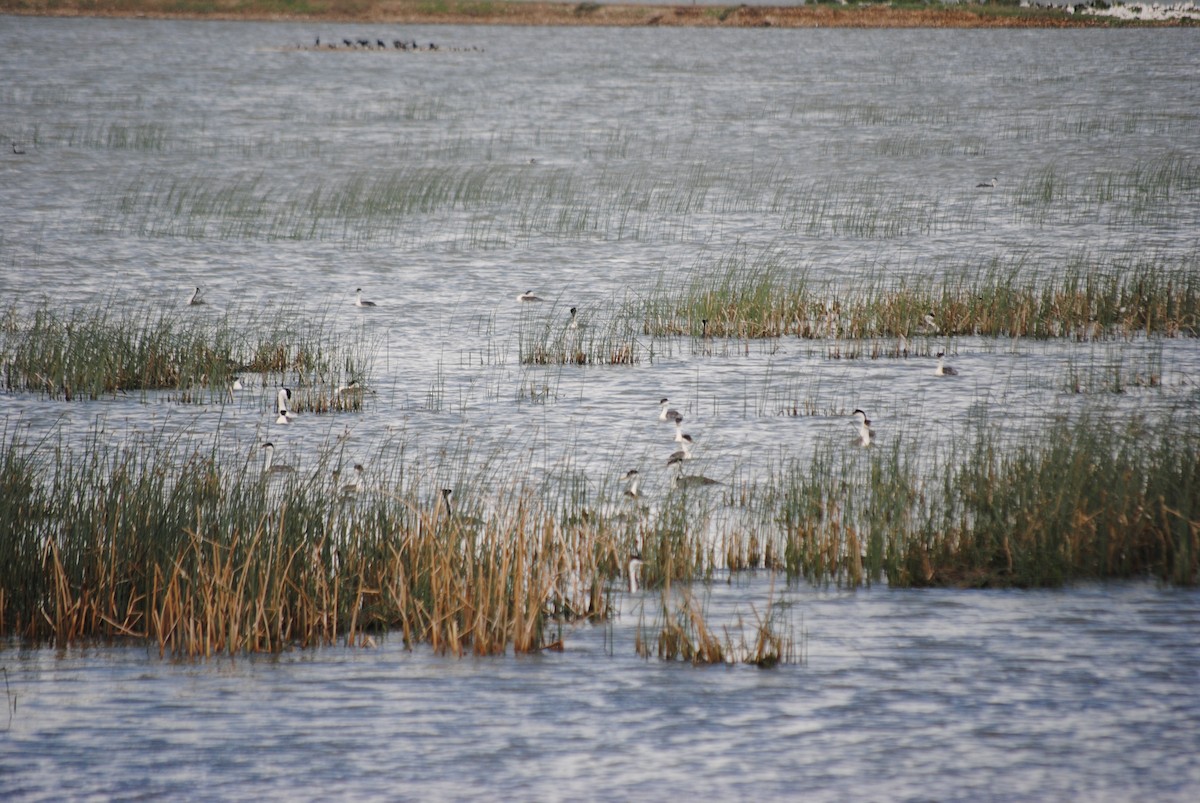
599	167
937	695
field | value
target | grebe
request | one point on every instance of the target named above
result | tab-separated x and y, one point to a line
634	569
195	300
866	435
988	184
930	323
528	295
281	404
681	480
633	489
684	452
361	302
269	464
665	414
943	369
355	486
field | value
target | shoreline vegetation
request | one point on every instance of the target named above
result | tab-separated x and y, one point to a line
198	551
992	14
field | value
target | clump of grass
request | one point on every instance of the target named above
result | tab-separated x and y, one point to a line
88	353
198	556
1086	500
768	299
578	338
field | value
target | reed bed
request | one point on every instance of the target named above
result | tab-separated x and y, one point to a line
1085	500
198	556
91	352
200	553
1088	300
579	338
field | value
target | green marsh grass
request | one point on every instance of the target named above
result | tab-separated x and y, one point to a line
94	352
1087	300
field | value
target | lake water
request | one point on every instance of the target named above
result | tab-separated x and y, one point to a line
593	166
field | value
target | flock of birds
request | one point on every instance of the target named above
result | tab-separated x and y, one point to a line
684	442
366	43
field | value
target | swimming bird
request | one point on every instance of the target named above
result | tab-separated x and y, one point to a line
281	403
361	302
634	569
283	418
18	150
666	414
574	324
269	464
633	489
195	300
528	295
866	435
987	184
930	322
943	369
681	480
237	383
354	486
684	452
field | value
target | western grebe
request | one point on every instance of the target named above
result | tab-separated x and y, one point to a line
943	369
361	302
930	323
574	324
269	464
18	150
353	487
634	569
681	480
665	414
195	300
352	388
283	418
237	383
528	295
866	435
988	184
684	452
281	403
633	489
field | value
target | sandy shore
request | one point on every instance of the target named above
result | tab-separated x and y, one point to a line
485	12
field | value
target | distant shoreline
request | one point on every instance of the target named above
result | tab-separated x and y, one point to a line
534	13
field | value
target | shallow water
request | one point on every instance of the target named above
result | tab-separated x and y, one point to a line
164	155
911	695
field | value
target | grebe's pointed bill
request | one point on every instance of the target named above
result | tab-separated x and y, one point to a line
361	302
528	295
943	369
195	300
